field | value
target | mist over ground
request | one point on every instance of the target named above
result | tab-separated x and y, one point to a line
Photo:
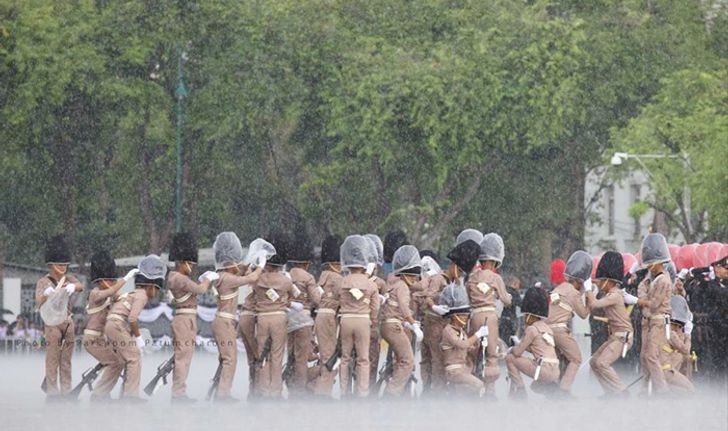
23	406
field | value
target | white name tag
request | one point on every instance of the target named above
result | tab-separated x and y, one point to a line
356	293
549	339
484	288
319	290
296	291
554	297
272	295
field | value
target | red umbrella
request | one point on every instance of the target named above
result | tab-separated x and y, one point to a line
674	252
723	251
686	257
595	263
713	253
629	260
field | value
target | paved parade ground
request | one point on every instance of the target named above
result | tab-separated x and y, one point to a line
23	406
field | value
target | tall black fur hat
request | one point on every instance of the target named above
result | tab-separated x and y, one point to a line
282	244
465	255
393	241
57	251
102	266
331	249
301	249
184	248
611	266
535	302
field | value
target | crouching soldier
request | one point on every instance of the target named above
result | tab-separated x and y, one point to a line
608	279
122	326
103	275
676	352
539	341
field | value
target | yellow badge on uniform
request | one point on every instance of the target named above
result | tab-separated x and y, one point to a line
554	297
356	293
483	287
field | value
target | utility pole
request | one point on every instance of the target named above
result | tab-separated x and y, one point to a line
180	93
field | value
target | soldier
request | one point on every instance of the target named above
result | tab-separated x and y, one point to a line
228	257
358	307
675	354
184	324
484	287
454	303
407	267
556	276
655	304
537	339
432	366
509	320
621	335
394	242
273	293
122	325
304	291
103	275
53	298
325	325
565	301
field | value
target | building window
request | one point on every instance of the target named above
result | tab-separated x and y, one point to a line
636	192
610	209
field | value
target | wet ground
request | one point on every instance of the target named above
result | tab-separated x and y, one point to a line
23	407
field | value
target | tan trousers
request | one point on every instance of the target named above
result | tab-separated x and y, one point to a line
223	330
678	382
268	378
299	342
463	381
602	360
355	332
184	334
375	346
566	345
124	345
325	326
655	340
100	348
489	319
60	340
404	361
432	328
518	364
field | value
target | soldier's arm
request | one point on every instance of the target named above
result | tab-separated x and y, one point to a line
450	337
111	291
40	287
374	305
678	343
604	302
251	278
525	343
503	294
403	298
136	307
312	290
197	288
577	304
662	289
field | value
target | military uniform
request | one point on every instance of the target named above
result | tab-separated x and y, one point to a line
97	344
299	341
565	302
396	312
325	327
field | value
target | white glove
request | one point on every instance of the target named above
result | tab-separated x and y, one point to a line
419	335
209	275
371	267
139	342
131	274
482	332
509	350
629	299
70	288
296	306
688	328
260	261
683	273
588	285
48	291
515	340
440	309
382	300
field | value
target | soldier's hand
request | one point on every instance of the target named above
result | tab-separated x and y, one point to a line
48	291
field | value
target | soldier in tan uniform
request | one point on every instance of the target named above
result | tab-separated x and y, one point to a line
655	303
621	334
273	293
407	267
538	339
675	355
53	295
432	366
184	292
484	287
455	305
358	307
305	291
565	302
325	325
228	257
122	325
103	275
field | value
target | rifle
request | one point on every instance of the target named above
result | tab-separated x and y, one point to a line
288	369
163	371
44	385
87	378
215	381
265	354
333	362
480	361
412	382
387	369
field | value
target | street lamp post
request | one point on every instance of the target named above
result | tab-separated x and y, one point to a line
618	158
180	93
